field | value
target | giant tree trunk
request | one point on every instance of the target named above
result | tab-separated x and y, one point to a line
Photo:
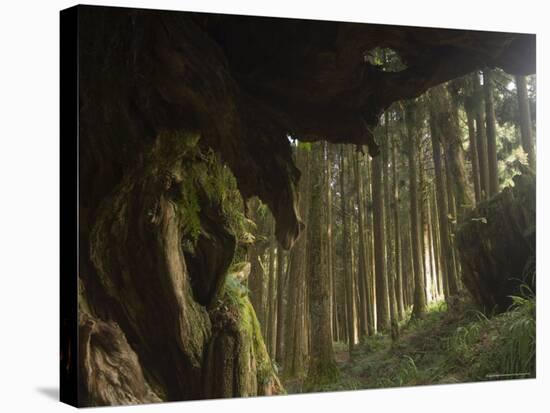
164	295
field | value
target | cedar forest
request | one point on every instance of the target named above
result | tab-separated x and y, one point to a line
361	216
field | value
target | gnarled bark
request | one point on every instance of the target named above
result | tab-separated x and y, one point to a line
103	348
137	250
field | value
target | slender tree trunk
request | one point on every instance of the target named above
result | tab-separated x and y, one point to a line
449	279
301	327
271	305
382	294
371	282
450	134
330	241
442	286
470	117
293	354
431	254
366	328
348	278
491	132
322	367
423	223
280	304
481	137
256	277
453	216
525	121
390	268
397	233
419	302
352	246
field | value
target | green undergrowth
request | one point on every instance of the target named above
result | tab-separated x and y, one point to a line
445	346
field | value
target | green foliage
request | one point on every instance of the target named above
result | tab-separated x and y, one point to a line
513	354
235	292
305	146
385	59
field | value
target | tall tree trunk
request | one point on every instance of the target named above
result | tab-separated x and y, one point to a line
382	294
440	268
279	342
419	302
362	257
293	354
423	222
322	367
397	233
271	328
348	278
450	134
352	247
255	251
371	282
390	268
481	137
453	216
330	241
491	132
469	107
449	279
525	121
430	218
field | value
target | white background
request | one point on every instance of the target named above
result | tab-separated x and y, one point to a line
29	205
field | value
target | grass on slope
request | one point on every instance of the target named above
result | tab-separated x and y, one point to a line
455	346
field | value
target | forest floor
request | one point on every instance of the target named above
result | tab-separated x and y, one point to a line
444	347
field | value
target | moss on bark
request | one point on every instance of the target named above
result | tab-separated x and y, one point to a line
237	362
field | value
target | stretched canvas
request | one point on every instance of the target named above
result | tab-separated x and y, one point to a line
260	206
